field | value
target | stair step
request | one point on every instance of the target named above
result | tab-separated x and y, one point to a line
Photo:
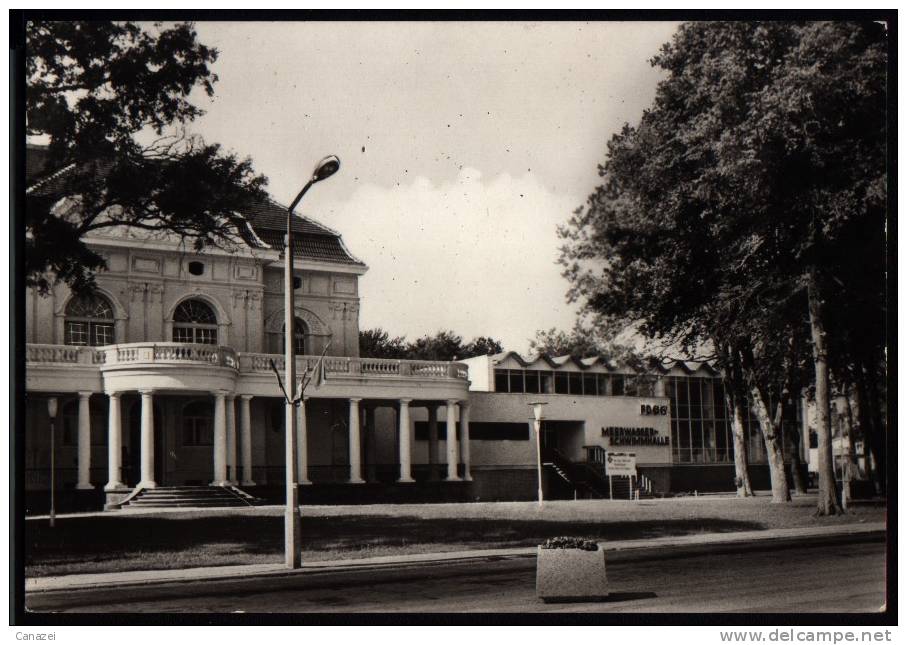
189	497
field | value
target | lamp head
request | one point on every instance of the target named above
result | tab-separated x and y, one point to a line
52	407
325	168
537	409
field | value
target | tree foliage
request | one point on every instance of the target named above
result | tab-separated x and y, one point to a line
111	100
445	345
757	175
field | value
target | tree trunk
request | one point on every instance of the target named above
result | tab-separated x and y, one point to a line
796	463
865	419
741	473
828	502
848	462
734	402
774	454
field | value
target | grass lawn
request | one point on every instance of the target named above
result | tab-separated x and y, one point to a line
169	540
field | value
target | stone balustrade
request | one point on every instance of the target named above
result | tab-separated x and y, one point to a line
63	354
169	353
368	367
244	362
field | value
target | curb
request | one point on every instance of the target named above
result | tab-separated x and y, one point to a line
631	548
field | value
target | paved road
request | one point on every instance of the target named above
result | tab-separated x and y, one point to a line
847	576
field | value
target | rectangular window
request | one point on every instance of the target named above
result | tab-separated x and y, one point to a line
103	334
516	381
617	385
206	336
721	441
589	387
532	381
708	403
182	335
561	383
498	431
603	381
501	383
76	333
575	380
547	383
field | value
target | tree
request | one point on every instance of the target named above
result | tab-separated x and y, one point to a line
443	346
727	214
482	346
112	100
376	343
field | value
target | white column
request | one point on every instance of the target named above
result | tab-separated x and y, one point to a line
371	469
464	440
452	456
84	446
220	439
355	444
231	439
302	450
147	441
245	438
433	474
114	443
406	430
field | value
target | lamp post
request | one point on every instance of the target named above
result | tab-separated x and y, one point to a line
52	412
537	419
292	520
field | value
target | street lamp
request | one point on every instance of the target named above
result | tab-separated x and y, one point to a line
52	412
537	419
292	520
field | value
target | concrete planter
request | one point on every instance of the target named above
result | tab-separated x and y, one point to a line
565	575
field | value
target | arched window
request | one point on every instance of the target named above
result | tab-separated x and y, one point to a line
300	331
194	322
198	428
89	321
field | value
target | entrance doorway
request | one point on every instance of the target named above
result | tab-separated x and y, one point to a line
566	437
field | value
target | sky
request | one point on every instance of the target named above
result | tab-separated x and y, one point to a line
463	146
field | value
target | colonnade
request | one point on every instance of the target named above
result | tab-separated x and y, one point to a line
225	452
232	446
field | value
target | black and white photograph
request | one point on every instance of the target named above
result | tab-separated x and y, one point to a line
382	318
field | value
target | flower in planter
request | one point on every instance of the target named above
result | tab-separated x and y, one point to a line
569	543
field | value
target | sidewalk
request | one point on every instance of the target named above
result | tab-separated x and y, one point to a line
139	578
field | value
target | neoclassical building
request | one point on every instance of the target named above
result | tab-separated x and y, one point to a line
164	377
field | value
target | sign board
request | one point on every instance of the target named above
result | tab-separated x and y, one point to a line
620	464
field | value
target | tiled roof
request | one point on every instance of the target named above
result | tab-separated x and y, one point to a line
267	219
317	247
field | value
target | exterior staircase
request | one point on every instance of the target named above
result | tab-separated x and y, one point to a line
589	479
191	497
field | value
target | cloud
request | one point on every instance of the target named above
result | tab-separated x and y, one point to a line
474	255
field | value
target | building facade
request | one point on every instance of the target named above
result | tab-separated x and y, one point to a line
673	420
165	377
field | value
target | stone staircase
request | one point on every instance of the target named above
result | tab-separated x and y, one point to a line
191	497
